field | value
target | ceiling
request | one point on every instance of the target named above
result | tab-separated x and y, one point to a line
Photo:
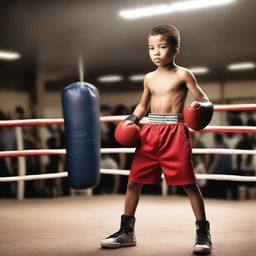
51	34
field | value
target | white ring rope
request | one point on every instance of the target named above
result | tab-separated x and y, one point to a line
222	151
198	176
40	152
126	172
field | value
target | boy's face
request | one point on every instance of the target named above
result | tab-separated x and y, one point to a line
160	51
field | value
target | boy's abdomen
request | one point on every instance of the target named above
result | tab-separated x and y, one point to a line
168	103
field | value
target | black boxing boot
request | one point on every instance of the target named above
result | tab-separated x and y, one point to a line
203	244
124	237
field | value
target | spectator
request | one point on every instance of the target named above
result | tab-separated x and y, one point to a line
199	160
19	113
108	183
105	128
31	140
222	164
8	141
57	141
245	163
5	187
53	185
234	118
231	139
250	119
121	158
33	166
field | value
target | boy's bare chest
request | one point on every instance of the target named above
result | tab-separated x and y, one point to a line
165	85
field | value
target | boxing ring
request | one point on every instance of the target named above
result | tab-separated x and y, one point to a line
21	153
75	225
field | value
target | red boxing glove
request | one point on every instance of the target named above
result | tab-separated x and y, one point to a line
198	115
127	133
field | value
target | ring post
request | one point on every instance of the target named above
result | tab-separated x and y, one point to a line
21	163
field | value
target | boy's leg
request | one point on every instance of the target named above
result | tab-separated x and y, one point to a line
132	198
196	200
125	235
203	242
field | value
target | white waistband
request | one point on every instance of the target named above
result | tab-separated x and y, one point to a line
165	118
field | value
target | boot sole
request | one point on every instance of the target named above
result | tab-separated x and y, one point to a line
202	250
115	246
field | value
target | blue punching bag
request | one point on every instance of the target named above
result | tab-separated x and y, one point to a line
80	103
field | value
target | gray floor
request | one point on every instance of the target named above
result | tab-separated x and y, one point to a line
165	226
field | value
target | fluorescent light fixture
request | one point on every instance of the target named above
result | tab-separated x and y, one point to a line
241	66
199	70
7	55
110	78
169	8
137	77
143	12
198	4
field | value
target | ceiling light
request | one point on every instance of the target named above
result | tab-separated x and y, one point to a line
199	70
137	78
7	55
198	4
241	66
143	12
169	8
110	78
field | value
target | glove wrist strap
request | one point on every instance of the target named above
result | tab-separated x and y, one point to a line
133	118
206	103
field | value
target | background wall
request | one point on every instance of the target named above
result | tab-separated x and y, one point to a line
229	92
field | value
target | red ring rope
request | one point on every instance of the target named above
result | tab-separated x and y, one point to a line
231	107
235	107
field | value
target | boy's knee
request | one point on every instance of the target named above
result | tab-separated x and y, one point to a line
133	185
191	188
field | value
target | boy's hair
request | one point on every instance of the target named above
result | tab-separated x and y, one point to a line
170	31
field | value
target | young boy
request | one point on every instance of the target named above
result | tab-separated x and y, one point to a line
165	144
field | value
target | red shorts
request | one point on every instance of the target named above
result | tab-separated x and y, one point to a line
165	146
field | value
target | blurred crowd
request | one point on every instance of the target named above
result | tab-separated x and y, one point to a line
34	137
52	137
228	164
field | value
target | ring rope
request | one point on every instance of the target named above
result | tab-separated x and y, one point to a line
234	107
24	122
42	121
237	129
126	172
41	152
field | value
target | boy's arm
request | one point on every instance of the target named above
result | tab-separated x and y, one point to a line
127	132
142	108
199	113
193	86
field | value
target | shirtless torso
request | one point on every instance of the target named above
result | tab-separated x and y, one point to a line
166	91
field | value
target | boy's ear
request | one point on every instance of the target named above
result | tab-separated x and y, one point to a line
177	48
